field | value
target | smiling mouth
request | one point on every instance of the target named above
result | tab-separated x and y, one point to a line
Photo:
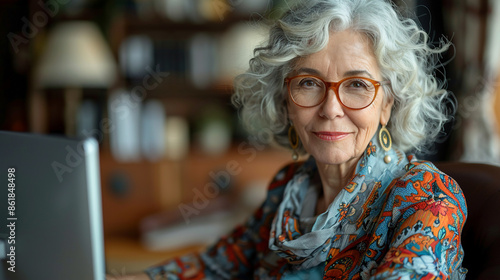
331	136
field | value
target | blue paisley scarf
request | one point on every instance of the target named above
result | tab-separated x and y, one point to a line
309	248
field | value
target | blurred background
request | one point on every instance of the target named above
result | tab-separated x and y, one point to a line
152	81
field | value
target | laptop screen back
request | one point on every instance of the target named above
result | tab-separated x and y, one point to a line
51	211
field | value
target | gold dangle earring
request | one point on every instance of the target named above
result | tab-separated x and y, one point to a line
293	138
385	140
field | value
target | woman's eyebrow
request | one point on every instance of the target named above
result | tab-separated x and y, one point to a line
358	73
349	73
308	71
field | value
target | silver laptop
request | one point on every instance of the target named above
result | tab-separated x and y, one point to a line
50	208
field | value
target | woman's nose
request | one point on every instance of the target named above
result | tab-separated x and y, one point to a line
331	107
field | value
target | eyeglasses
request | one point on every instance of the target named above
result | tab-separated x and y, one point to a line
355	93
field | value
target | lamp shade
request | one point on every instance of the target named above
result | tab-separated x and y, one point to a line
76	55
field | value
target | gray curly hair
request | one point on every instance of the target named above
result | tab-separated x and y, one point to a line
401	48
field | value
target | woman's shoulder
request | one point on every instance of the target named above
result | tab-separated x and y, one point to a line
424	184
425	175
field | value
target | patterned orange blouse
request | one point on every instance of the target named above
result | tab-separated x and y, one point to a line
401	220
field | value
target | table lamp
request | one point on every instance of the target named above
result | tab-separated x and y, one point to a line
75	56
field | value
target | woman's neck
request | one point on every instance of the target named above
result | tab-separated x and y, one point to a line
333	179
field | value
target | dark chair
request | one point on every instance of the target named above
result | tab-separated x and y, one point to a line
481	234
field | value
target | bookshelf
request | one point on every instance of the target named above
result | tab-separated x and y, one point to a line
170	47
135	189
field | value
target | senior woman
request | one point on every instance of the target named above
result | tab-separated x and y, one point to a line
350	84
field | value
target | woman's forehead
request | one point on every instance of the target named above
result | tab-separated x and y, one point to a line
345	52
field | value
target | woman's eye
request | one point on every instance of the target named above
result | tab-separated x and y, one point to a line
357	84
308	83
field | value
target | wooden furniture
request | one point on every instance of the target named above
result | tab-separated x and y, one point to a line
131	191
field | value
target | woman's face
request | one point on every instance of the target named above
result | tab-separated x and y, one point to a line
331	133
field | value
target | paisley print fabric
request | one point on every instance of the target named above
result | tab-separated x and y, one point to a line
401	220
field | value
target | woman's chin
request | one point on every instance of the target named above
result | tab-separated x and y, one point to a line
332	158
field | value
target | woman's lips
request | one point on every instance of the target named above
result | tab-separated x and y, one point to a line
331	136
